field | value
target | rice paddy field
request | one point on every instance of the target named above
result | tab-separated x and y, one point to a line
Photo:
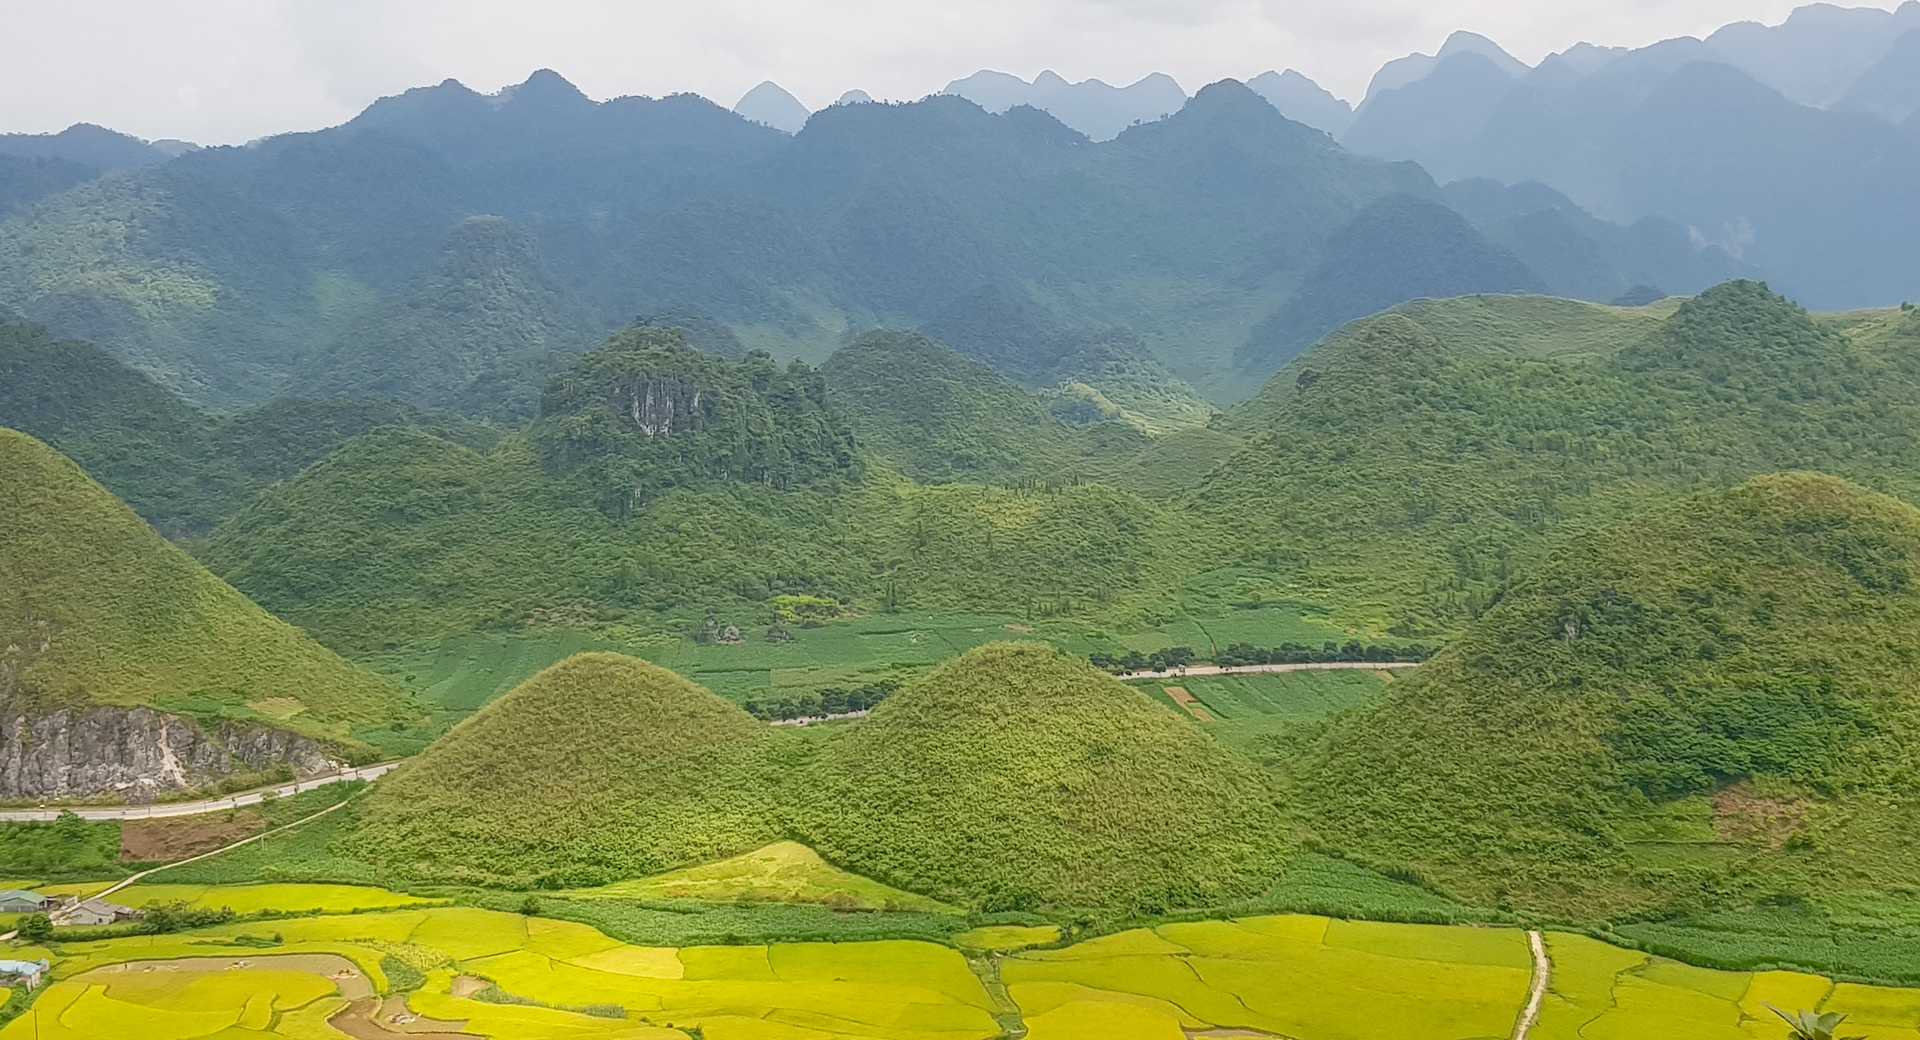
441	972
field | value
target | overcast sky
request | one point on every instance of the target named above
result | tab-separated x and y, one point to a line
225	71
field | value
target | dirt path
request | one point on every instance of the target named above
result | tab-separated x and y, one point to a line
205	805
1542	976
117	886
1257	669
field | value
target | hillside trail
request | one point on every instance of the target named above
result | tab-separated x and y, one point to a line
166	810
150	871
1542	976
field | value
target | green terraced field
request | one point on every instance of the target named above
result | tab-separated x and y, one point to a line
456	676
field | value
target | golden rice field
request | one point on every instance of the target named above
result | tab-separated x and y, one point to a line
250	899
784	872
510	977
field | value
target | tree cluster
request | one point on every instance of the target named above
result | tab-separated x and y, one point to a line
831	700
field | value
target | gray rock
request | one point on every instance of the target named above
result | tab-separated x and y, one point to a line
138	754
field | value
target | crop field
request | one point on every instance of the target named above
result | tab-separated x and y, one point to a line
1601	992
252	899
458	675
468	972
784	872
1003	937
499	975
1293	975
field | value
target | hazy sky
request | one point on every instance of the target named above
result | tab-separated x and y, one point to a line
224	71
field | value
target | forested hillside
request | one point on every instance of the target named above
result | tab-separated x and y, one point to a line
1414	459
179	468
1704	705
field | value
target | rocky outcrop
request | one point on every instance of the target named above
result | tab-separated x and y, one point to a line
138	754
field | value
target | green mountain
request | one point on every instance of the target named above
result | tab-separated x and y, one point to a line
941	417
1396	249
100	610
1414	459
619	770
179	468
442	236
1706	704
646	413
402	535
1013	777
490	308
1016	777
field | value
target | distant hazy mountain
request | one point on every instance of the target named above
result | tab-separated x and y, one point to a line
1415	67
1303	101
772	106
855	96
1819	52
1400	247
92	145
1092	107
1819	199
1890	89
437	247
1583	257
1427	120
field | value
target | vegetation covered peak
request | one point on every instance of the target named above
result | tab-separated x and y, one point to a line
96	608
1735	652
600	768
646	413
1015	777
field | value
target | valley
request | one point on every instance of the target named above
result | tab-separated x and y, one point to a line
1043	560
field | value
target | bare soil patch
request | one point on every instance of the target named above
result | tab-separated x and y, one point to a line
1745	817
178	837
1187	700
368	1019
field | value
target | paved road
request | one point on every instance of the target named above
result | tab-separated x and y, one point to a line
1244	669
233	801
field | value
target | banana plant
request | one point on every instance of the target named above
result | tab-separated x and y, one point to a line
1808	1026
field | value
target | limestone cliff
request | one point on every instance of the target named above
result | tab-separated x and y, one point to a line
138	754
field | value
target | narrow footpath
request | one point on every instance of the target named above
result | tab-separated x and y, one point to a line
1542	977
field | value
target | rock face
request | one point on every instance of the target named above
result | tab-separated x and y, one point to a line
138	754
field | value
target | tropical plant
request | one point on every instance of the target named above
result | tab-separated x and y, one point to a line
1808	1026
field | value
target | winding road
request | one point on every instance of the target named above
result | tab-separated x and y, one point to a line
1255	669
161	810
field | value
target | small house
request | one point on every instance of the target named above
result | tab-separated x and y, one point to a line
25	973
18	902
97	912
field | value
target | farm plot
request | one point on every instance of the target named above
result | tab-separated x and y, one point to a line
1601	992
784	872
480	973
253	899
1287	975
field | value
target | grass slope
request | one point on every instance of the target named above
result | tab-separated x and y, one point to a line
1013	777
98	609
600	768
1737	658
1016	776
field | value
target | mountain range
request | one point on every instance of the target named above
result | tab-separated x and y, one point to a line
441	245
